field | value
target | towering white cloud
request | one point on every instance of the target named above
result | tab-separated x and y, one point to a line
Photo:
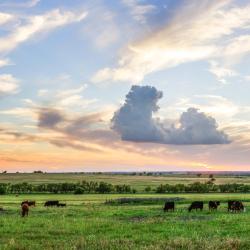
134	121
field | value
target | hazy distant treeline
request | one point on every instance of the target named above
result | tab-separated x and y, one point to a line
103	187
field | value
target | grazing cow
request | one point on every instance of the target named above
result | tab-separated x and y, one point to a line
237	206
213	205
230	205
25	209
169	205
61	204
30	203
196	205
51	203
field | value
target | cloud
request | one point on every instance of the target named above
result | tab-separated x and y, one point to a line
49	118
105	30
8	84
5	18
138	10
71	98
74	132
218	106
221	72
23	4
199	31
37	25
4	62
134	121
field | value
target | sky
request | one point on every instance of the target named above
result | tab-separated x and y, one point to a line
124	85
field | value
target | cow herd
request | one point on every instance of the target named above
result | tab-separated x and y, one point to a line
26	204
233	206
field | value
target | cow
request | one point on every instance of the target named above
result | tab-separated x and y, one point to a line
213	205
230	205
25	209
169	205
30	203
196	205
61	204
237	206
51	203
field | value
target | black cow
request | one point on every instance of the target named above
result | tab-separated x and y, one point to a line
61	204
51	203
236	206
196	205
230	205
169	205
213	205
30	203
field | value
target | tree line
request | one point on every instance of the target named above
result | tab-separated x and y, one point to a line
208	187
66	187
103	187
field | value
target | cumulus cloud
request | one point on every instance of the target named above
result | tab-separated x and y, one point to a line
8	84
134	121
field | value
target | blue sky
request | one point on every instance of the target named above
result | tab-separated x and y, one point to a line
67	66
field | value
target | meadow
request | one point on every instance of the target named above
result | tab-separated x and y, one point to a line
139	182
89	222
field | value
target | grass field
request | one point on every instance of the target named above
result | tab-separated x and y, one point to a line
137	182
88	223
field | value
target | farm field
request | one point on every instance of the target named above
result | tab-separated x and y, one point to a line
88	223
136	181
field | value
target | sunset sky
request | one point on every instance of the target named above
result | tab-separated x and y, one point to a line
124	85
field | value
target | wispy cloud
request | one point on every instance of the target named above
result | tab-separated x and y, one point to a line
139	10
221	73
19	4
37	25
8	84
201	30
5	18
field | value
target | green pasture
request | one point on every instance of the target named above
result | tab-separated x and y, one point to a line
88	223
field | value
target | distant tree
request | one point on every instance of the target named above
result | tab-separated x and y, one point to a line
38	172
199	175
79	190
161	189
134	191
147	189
211	176
3	188
104	188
